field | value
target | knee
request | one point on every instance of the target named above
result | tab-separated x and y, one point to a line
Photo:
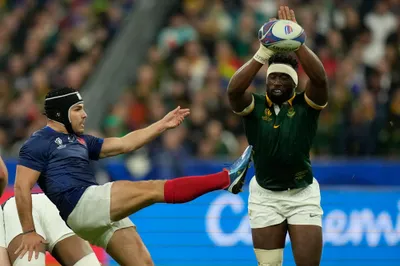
270	257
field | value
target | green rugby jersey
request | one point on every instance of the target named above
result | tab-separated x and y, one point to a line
282	141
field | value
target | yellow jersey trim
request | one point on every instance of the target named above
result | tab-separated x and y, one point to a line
290	101
314	105
248	109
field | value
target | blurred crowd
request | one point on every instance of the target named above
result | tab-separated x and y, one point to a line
46	44
205	42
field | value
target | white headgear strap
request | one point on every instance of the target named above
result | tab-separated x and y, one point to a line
283	68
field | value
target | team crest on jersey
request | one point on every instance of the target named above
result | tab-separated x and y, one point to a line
291	112
59	142
268	114
81	141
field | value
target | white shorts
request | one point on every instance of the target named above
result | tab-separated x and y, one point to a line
2	231
90	218
47	220
300	206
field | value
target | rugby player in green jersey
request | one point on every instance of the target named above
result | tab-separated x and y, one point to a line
281	125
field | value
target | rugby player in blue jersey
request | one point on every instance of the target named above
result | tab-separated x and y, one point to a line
57	157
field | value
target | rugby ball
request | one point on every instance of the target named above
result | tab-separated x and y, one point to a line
282	35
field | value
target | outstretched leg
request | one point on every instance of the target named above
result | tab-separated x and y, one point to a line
129	197
126	198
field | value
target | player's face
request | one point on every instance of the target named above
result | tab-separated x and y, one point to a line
78	117
279	87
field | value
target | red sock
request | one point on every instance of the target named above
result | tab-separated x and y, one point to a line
186	189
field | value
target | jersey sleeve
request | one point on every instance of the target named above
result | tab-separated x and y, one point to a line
259	105
313	111
248	109
312	104
94	146
33	155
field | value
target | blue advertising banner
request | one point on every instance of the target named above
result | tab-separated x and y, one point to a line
346	172
360	228
363	172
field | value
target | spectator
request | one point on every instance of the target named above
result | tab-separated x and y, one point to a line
45	44
205	43
53	43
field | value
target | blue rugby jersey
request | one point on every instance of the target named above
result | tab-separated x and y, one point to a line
64	163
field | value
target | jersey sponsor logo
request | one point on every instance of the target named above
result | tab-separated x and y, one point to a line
268	114
60	144
277	126
291	112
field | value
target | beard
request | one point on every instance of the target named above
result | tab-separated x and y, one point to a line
279	96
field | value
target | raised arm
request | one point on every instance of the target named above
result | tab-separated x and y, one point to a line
138	138
240	99
317	87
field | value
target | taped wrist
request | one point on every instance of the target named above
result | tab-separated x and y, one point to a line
263	54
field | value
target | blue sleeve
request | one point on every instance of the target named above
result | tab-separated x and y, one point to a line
94	146
33	155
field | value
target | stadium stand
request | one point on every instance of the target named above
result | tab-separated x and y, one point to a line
45	44
53	43
206	41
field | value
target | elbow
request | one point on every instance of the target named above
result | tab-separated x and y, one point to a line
232	88
232	92
17	187
324	81
21	187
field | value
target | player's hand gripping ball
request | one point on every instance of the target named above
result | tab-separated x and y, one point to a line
282	35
